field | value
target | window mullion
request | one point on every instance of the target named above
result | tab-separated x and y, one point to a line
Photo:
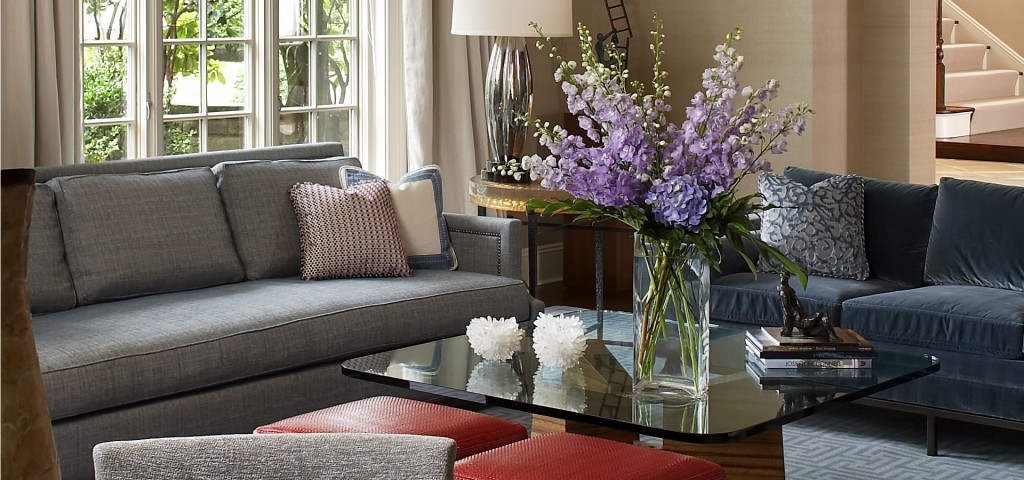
150	98
265	83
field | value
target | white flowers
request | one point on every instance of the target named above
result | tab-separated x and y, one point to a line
494	339
559	340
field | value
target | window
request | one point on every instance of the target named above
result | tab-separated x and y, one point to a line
108	53
315	71
206	58
181	76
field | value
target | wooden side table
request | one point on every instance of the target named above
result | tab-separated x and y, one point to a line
512	197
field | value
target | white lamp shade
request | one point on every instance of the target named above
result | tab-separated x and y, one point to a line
511	18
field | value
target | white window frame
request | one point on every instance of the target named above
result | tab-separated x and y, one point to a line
144	91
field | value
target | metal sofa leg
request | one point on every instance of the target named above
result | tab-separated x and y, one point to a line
932	443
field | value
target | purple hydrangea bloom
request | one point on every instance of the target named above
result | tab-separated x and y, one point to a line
679	202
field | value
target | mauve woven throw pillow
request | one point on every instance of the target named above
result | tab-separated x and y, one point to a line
348	233
820	227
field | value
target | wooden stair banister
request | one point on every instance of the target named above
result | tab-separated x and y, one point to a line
940	70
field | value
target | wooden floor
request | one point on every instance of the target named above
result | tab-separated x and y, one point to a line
1001	146
992	172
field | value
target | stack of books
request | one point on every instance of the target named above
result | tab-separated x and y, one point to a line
767	349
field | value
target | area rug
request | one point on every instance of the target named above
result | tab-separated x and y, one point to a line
859	442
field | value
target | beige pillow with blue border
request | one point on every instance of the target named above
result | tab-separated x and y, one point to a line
417	200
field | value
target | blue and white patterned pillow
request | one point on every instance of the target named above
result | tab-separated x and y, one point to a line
417	200
820	227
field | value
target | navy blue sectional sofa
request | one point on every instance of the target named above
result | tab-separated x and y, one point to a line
947	279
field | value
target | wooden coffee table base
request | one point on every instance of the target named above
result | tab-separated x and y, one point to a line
757	457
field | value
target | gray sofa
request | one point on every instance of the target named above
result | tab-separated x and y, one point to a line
166	299
947	279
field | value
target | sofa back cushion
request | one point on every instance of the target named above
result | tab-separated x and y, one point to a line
139	234
49	278
897	222
259	209
977	236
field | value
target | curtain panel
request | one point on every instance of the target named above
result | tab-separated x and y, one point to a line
444	79
40	75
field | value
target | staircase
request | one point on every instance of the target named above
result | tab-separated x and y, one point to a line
994	94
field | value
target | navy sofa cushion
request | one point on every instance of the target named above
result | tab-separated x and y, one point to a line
897	222
740	297
978	236
978	320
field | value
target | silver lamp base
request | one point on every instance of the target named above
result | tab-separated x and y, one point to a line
508	101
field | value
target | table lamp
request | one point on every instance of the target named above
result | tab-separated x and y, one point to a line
508	88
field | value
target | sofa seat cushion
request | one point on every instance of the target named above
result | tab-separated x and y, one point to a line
740	297
978	320
115	354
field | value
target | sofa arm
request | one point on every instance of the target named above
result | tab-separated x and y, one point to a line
487	244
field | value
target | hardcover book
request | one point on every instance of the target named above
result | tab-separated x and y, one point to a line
768	339
834	377
807	363
803	353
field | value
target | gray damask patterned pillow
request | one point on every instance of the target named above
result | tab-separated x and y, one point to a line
820	227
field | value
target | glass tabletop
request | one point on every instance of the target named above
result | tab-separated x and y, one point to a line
742	400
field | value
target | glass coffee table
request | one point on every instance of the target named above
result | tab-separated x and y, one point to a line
738	426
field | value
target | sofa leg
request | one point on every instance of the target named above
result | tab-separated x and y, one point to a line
932	443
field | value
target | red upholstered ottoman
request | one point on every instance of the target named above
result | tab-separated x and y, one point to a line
566	456
473	432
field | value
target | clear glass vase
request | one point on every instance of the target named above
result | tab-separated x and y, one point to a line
671	284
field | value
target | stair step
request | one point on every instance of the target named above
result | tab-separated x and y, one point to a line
980	84
947	30
962	57
996	114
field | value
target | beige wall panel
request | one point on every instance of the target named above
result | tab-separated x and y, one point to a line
777	43
833	125
898	82
865	66
922	92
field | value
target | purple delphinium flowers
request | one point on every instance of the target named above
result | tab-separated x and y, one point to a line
637	166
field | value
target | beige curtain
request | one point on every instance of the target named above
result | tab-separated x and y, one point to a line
40	76
444	78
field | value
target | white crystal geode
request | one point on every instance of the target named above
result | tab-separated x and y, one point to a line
559	340
492	339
